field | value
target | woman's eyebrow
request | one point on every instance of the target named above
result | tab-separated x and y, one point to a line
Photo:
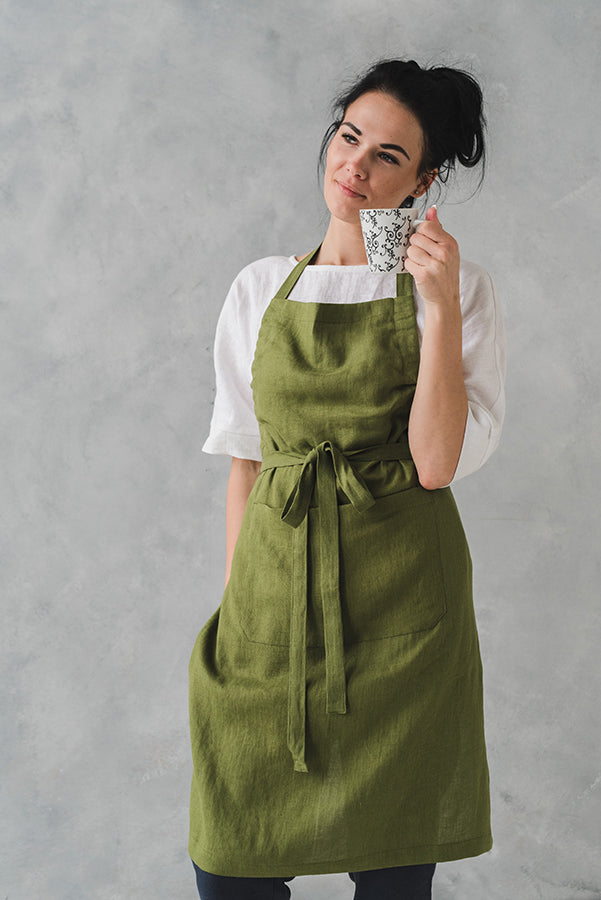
395	147
383	146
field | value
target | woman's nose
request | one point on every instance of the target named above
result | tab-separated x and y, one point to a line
357	167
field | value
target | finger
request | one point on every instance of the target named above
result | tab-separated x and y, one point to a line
434	248
415	269
419	256
432	214
432	228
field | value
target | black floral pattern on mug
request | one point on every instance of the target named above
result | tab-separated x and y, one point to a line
386	236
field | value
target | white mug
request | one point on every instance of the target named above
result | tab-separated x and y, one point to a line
386	234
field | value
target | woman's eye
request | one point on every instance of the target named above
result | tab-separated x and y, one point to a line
351	139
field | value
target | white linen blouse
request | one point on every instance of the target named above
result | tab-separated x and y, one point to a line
234	429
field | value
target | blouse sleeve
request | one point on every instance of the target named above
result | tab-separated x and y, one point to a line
483	369
234	429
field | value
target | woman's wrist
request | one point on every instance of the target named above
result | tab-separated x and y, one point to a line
443	321
447	308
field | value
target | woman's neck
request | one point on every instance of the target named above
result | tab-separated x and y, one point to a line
342	246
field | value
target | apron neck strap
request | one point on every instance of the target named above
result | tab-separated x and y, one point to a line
404	281
404	284
296	273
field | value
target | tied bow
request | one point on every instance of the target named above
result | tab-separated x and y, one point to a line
323	469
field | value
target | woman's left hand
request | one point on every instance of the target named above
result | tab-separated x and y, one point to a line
433	260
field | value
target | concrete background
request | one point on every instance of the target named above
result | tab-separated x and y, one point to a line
150	149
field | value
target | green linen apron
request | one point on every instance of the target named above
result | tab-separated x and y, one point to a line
336	694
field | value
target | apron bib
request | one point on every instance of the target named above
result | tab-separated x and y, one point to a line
336	694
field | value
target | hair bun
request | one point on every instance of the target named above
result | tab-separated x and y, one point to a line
464	120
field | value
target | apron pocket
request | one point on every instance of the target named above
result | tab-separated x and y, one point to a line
391	575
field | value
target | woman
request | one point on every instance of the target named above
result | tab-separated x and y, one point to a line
336	694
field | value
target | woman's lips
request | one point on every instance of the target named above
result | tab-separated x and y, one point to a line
348	191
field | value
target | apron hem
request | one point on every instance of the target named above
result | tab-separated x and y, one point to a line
405	856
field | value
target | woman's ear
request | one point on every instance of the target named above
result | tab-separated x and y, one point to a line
425	182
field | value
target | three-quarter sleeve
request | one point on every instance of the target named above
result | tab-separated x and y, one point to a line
234	429
483	369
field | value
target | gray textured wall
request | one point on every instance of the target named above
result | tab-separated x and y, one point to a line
150	149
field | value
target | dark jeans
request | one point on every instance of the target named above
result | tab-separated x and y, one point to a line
399	883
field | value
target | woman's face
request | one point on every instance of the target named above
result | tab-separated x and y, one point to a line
373	159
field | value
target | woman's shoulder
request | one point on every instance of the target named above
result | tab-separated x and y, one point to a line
472	273
254	286
264	270
477	289
474	278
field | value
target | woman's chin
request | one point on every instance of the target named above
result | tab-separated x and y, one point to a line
344	212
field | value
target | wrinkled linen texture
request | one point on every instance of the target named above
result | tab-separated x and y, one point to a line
336	702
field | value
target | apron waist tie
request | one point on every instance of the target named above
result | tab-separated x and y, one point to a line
323	469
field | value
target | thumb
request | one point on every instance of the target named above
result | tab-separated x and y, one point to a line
432	214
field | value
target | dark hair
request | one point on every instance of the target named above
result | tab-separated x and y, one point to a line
446	102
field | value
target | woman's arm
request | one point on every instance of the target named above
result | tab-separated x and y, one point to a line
243	475
439	409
